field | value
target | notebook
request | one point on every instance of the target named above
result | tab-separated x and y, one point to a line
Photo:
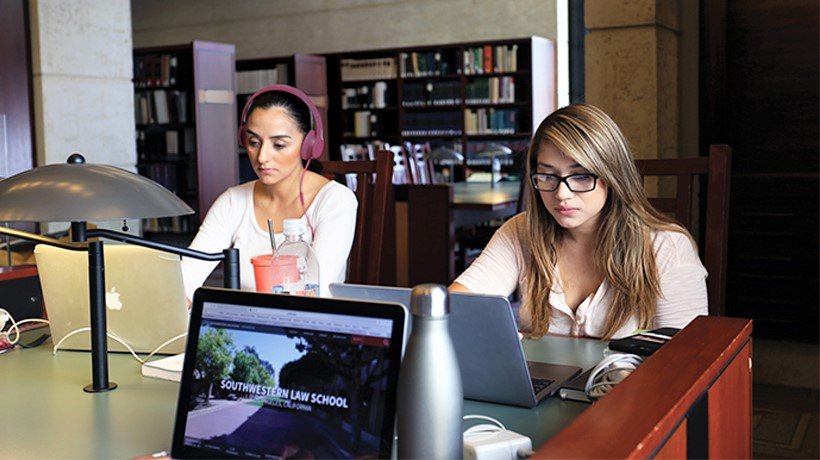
485	337
144	297
278	376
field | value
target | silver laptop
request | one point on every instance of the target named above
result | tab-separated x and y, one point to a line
144	298
485	337
279	376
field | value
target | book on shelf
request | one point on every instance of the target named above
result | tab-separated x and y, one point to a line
368	69
168	368
491	90
372	96
445	123
250	81
425	94
424	64
365	124
490	121
155	70
161	106
486	59
172	142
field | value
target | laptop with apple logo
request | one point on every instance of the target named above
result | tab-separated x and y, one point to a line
144	298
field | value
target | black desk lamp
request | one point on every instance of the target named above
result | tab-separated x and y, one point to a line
76	192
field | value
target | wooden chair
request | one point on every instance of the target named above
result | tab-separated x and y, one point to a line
715	172
375	220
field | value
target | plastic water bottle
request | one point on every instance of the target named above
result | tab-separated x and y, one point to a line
294	267
430	395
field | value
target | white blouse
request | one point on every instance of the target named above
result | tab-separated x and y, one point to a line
231	223
501	268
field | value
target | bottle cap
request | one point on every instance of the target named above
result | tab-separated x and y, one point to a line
293	227
430	300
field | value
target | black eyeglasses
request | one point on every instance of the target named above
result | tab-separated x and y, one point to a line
544	182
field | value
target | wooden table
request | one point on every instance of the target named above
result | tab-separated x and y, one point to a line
691	398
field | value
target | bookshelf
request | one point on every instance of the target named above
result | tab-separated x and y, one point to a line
465	96
185	127
304	71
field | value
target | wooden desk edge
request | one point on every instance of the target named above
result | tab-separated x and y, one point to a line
17	271
637	418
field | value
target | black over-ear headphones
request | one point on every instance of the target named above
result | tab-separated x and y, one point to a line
314	143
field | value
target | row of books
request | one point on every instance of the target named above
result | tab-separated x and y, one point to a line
490	59
427	63
169	142
491	121
373	96
165	174
153	71
161	106
491	90
368	69
432	124
422	94
176	224
249	81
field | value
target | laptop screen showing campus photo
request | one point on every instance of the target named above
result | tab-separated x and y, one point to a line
274	376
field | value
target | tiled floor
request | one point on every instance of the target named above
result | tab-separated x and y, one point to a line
785	422
786	400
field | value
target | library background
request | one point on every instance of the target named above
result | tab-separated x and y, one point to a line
468	107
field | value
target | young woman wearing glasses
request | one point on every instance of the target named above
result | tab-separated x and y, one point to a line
590	256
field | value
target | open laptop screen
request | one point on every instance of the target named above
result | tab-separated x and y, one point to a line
269	376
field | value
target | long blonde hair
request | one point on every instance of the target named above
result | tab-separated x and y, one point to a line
624	252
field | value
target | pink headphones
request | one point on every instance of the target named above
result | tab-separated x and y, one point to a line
314	143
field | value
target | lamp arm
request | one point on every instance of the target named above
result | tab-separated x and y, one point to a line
42	239
230	255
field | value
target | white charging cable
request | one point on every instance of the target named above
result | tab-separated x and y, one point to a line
483	430
6	317
121	342
610	372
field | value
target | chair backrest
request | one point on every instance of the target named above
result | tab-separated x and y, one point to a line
715	173
419	163
374	222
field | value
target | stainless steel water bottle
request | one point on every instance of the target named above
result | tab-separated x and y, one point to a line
430	396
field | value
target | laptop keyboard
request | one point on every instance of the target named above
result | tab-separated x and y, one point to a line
540	384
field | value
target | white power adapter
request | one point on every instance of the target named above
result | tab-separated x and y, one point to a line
496	445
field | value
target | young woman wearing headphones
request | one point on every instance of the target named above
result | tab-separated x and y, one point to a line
590	256
281	130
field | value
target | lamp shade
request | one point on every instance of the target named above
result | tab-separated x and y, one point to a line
445	154
494	150
83	191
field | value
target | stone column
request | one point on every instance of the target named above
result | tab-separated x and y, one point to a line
632	56
82	69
